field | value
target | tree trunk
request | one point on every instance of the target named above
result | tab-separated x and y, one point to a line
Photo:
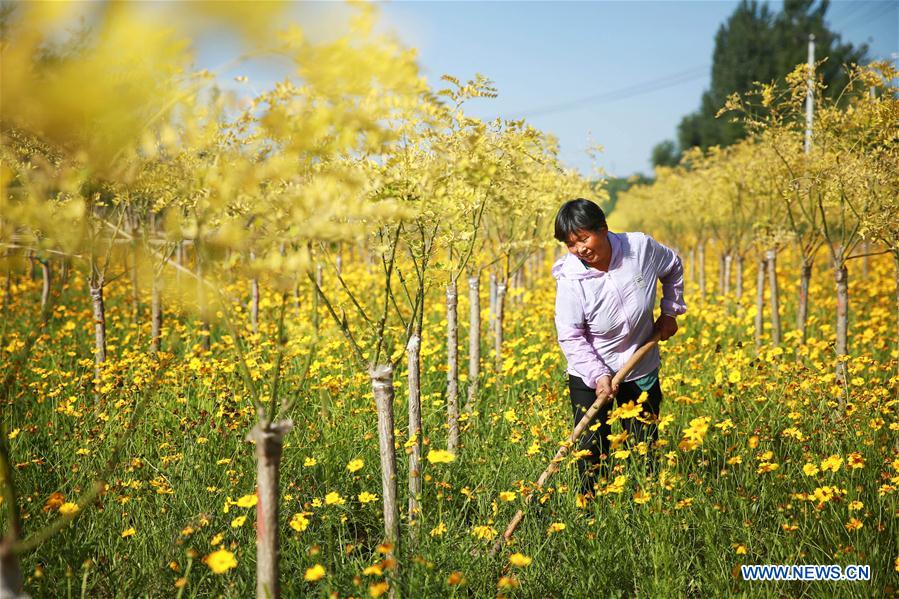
205	340
413	356
759	302
866	258
135	283
491	322
45	290
99	310
179	259
805	277
10	574
692	269
269	442
474	340
739	269
382	387
701	267
452	367
254	305
842	341
64	272
498	326
155	315
728	263
722	274
771	256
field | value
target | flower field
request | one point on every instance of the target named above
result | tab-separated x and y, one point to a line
766	459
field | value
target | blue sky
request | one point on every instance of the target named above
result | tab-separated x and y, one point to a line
616	73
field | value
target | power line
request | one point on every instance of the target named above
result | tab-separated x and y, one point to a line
620	94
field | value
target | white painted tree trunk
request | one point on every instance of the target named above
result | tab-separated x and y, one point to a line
842	342
413	356
728	262
498	326
701	267
452	367
474	340
382	388
156	315
269	442
205	337
99	311
46	278
10	574
722	281
805	277
739	276
254	306
492	318
771	258
759	301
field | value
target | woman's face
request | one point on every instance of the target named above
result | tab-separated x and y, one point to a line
590	246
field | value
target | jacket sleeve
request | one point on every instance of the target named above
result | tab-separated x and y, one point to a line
571	329
670	271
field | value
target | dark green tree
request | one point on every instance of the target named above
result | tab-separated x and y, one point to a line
755	44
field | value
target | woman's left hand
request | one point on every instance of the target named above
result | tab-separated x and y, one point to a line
666	325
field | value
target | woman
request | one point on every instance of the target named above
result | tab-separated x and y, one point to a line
605	295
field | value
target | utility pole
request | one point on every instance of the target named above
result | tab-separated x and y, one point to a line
810	97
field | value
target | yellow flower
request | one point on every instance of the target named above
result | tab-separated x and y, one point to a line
221	561
438	530
456	577
238	522
217	539
440	456
373	570
309	462
299	522
855	460
519	560
316	572
556	527
855	505
832	463
737	459
810	469
333	498
767	467
128	532
355	465
484	532
378	589
247	501
507	495
69	508
641	497
366	497
853	524
739	548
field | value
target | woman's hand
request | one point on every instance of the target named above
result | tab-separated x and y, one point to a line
667	326
605	388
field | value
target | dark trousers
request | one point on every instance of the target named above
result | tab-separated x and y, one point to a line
591	467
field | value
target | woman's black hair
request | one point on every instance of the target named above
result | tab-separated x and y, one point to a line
578	215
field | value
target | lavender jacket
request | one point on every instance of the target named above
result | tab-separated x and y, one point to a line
603	317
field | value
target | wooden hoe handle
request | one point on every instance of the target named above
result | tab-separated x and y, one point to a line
575	435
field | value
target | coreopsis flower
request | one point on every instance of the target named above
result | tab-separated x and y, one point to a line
299	522
556	527
68	508
248	500
334	498
220	561
440	456
854	524
315	573
355	465
810	469
486	533
519	560
832	463
366	497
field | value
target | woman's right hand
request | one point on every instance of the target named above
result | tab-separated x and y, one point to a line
605	388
